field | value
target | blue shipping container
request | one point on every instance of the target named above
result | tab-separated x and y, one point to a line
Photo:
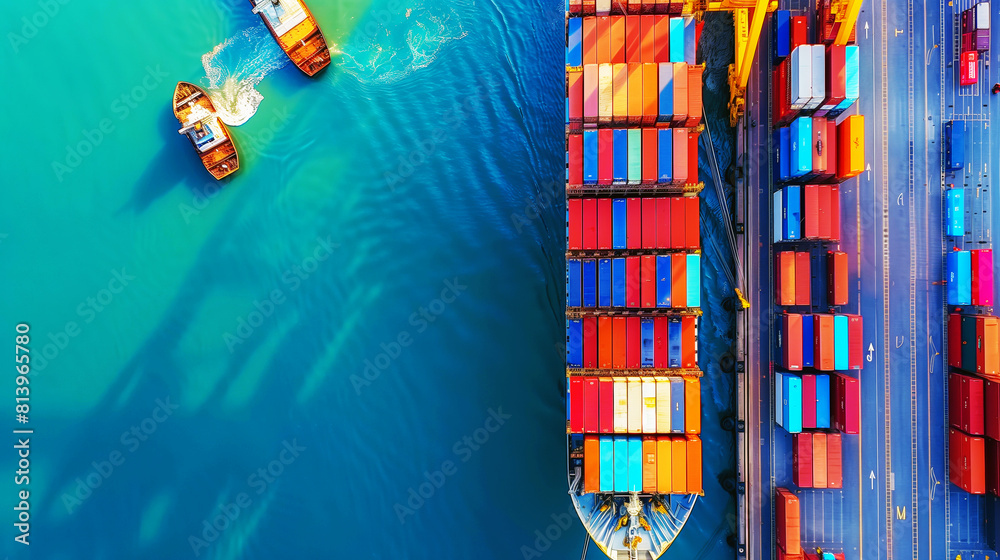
676	405
676	39
955	201
674	335
954	144
574	51
589	283
621	464
618	282
619	211
574	343
573	283
801	144
590	157
960	278
634	464
607	464
840	344
807	341
822	401
782	33
663	277
690	40
694	280
784	154
791	208
604	283
620	143
647	342
665	146
666	92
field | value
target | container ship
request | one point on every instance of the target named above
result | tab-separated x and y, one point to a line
633	269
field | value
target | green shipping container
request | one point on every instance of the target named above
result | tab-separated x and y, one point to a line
634	156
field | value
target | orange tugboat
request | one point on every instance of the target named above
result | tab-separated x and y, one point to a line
209	136
296	31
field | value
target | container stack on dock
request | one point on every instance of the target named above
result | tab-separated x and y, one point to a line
819	352
975	39
633	271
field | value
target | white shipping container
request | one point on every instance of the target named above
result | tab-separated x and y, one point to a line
800	77
778	398
662	406
634	406
603	7
777	217
648	406
982	15
604	91
621	408
818	81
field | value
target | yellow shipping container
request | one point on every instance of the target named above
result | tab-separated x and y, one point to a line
662	405
604	93
621	407
620	89
634	405
851	147
648	406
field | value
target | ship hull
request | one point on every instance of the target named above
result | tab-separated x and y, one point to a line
303	42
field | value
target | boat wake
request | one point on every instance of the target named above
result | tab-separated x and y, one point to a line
383	49
235	67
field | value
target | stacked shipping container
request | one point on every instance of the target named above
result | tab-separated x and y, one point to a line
635	405
610	159
632	342
649	465
640	282
602	224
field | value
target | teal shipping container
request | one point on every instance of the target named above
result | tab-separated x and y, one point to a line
635	464
840	343
676	39
621	464
955	216
607	464
694	280
634	156
960	278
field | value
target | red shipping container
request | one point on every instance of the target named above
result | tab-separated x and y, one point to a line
648	275
993	468
590	342
810	211
982	277
968	41
605	156
605	342
591	405
692	222
969	73
678	223
617	40
855	342
987	345
824	211
632	39
650	153
849	406
836	77
660	337
819	459
649	224
834	461
689	342
590	223
576	405
590	40
784	278
618	343
695	77
955	400
802	460
808	400
661	38
803	278
779	91
819	153
791	347
633	282
575	160
678	283
663	208
968	462
834	213
800	32
955	340
574	98
574	220
633	223
604	213
575	6
972	405
956	459
692	151
788	521
603	39
680	148
648	42
633	344
823	344
836	266
991	418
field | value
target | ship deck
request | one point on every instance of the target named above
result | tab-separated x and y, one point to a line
897	502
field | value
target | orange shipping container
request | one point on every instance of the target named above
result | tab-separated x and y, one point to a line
851	151
604	342
664	463
695	75
635	93
788	521
617	39
692	157
785	278
632	39
678	284
694	484
834	462
680	95
680	148
618	343
619	91
589	41
819	460
987	345
661	38
678	450
650	94
649	464
648	41
803	278
591	464
603	39
692	405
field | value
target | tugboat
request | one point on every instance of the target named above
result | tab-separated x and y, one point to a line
209	136
296	31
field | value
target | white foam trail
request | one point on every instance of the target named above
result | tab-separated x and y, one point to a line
235	67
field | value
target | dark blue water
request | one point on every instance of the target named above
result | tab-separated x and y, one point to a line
354	348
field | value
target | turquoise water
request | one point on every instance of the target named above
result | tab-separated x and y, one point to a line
372	305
